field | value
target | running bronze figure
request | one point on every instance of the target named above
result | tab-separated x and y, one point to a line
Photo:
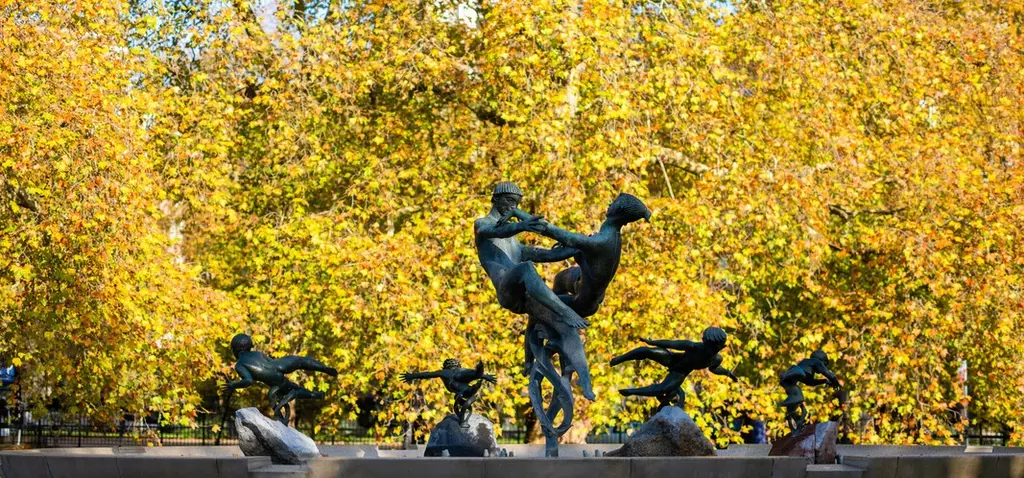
463	382
804	372
694	356
258	367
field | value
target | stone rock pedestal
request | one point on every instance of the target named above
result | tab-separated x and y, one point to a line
670	432
259	435
815	442
477	439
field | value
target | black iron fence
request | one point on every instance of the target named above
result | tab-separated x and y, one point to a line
62	430
988	437
65	430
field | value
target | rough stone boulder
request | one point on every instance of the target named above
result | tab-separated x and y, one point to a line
477	439
259	435
670	432
816	442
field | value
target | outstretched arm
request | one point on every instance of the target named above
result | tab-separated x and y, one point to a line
570	239
537	254
466	375
672	344
717	368
537	224
246	380
817	381
720	370
409	377
518	214
489	230
831	377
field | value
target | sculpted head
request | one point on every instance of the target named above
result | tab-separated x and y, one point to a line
820	355
506	196
451	363
240	343
714	337
627	208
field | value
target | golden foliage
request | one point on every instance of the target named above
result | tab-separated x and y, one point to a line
92	304
837	174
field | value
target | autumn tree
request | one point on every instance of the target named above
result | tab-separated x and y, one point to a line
94	307
834	174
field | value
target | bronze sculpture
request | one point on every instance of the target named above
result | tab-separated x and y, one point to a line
804	372
463	382
258	367
553	318
520	289
695	356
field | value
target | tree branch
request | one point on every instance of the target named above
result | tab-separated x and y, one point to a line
488	115
846	214
838	210
21	197
572	91
676	159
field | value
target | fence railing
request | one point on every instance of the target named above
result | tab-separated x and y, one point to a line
989	438
63	430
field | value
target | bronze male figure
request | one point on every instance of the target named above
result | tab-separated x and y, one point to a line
519	287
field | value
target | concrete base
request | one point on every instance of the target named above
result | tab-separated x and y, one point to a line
516	451
564	450
280	471
746	450
898	450
354	451
657	467
941	466
225	462
834	471
54	463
